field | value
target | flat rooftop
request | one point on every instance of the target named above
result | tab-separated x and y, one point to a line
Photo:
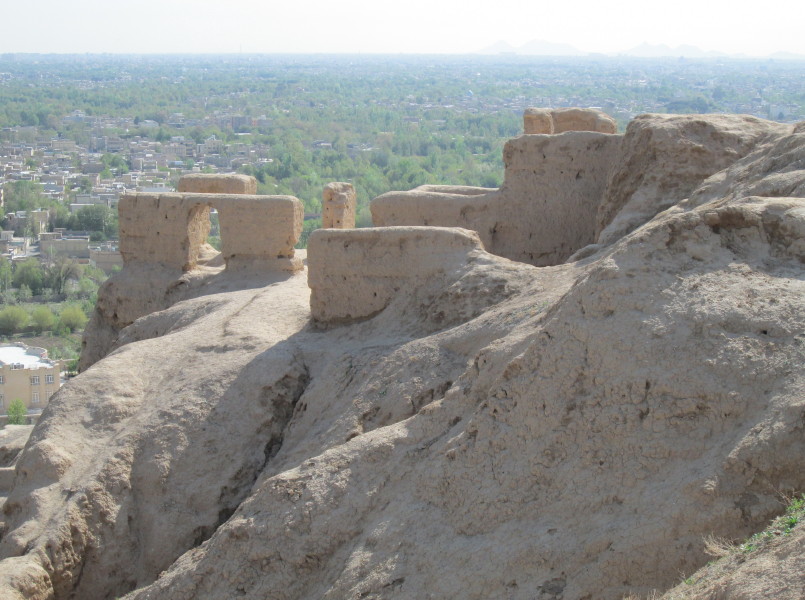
28	357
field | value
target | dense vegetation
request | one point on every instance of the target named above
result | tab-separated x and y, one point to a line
380	122
51	300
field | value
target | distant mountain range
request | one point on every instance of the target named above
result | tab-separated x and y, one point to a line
644	50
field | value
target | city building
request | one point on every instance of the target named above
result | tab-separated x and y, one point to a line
27	374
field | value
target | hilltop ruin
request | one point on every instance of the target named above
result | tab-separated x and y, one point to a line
555	389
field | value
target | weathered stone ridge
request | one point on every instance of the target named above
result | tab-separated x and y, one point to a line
339	206
170	229
355	274
217	183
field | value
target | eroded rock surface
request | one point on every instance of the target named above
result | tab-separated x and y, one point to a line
665	157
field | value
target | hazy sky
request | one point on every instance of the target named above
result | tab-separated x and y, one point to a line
410	26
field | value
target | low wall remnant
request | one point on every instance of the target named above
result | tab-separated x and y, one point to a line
355	274
213	183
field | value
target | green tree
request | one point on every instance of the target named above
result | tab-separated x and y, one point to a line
5	274
17	413
60	272
31	274
96	218
13	319
73	318
43	319
24	293
23	195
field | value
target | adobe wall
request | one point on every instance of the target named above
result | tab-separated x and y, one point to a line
428	207
545	210
356	273
163	238
169	229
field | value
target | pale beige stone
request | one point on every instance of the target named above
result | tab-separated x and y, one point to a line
162	241
169	229
537	121
425	208
339	205
215	183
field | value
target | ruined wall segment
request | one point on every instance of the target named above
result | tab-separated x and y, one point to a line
537	121
162	229
213	183
339	206
169	229
582	119
355	274
545	210
429	207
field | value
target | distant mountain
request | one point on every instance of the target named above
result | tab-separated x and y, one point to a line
534	48
499	48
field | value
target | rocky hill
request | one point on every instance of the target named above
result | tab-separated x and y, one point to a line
490	429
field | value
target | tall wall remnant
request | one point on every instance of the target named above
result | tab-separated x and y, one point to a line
566	189
339	205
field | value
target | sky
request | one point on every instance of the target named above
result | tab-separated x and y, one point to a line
410	27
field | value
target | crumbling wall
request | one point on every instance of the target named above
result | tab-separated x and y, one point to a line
169	229
550	195
665	157
427	207
355	274
545	210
